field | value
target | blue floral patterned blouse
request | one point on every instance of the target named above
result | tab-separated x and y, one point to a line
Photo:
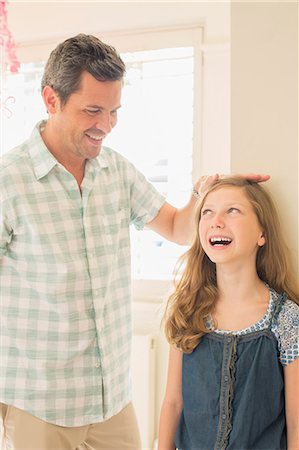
285	328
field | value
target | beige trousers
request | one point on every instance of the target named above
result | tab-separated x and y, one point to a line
22	431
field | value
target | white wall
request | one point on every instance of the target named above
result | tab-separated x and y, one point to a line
264	102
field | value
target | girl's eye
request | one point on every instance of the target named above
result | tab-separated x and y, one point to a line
206	212
233	210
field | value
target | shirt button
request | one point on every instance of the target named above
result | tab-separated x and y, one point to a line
97	365
225	378
223	416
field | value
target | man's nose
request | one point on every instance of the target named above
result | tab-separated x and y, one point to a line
105	123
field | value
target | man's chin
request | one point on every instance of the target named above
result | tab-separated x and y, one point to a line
93	153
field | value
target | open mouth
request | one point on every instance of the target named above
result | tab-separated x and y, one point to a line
94	139
219	241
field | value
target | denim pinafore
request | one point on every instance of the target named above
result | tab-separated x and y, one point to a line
233	393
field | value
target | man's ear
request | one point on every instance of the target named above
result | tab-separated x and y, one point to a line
51	99
262	240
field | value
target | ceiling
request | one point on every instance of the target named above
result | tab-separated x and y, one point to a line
44	20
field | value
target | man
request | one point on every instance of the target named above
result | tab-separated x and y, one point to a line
66	206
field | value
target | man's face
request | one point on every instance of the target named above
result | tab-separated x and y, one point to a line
80	126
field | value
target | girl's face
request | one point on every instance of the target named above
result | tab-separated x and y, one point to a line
229	230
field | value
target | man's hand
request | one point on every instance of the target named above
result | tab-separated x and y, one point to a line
258	178
205	181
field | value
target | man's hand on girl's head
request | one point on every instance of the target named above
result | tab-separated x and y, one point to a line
205	181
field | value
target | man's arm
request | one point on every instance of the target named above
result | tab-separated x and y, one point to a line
174	224
177	225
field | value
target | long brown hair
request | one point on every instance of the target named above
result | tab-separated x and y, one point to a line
196	289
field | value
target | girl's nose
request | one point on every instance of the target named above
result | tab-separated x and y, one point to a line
218	222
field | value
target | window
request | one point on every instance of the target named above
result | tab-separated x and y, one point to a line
22	106
155	128
155	132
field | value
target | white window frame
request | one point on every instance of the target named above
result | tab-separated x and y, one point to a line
151	39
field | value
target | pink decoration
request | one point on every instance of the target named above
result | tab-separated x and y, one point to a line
6	40
5	106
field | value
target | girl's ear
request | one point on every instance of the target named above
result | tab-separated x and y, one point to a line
262	240
51	99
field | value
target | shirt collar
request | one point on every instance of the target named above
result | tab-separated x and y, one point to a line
42	159
100	161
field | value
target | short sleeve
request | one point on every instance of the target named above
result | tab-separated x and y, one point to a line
286	330
146	201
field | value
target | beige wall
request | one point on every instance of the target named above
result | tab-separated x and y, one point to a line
264	102
65	18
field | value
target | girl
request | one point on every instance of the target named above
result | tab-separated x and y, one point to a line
233	325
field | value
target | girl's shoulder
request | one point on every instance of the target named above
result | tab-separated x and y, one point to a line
285	327
288	310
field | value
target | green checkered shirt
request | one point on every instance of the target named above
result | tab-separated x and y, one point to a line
65	282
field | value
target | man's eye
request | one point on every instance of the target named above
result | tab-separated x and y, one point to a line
92	111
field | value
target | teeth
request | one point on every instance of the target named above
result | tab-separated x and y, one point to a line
220	240
96	138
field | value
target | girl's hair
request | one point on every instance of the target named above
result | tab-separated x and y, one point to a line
196	291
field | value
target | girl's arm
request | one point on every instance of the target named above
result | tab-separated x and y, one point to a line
173	403
291	380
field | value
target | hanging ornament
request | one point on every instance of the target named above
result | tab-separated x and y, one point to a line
7	46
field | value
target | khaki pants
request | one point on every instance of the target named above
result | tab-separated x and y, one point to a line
22	431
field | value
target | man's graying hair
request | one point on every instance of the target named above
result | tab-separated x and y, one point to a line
75	55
